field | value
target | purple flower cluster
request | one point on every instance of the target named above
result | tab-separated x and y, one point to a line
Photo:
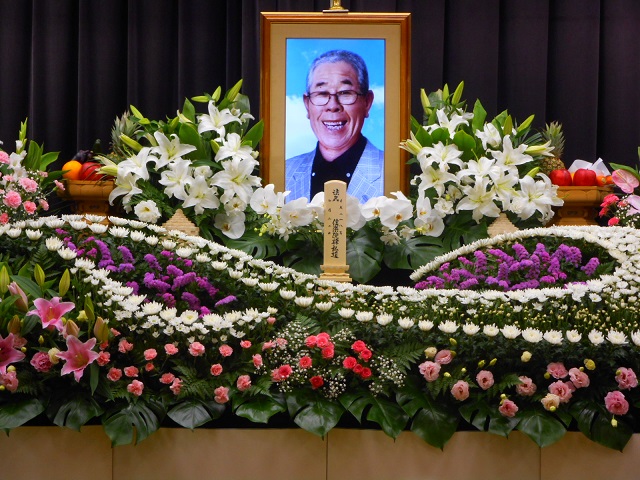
515	270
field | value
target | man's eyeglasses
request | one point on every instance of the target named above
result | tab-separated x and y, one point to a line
345	97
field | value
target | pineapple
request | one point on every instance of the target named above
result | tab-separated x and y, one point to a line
553	133
122	126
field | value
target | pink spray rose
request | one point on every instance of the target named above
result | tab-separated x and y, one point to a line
316	382
616	403
485	379
526	388
557	370
328	352
460	390
430	370
366	373
311	341
305	362
508	408
626	378
349	363
358	346
366	354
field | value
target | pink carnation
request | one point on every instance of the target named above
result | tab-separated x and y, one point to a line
282	373
28	184
626	378
124	346
557	370
245	344
225	350
149	366
311	341
176	386
316	382
221	395
616	403
170	349
196	349
562	389
167	378
526	388
4	218
257	360
613	221
131	372
4	157
136	387
305	362
216	369
41	362
43	204
328	352
485	379
12	199
578	378
430	370
460	390
244	383
508	408
103	358
150	354
29	207
114	374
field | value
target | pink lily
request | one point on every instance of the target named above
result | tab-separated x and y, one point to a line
8	354
23	302
51	311
78	356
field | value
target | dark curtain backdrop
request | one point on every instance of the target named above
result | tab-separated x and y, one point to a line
72	66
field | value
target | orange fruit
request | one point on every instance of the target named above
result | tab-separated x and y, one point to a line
72	170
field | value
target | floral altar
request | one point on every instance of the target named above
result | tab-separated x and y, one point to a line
133	326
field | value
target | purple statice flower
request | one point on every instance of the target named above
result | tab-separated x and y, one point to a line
187	262
192	300
461	273
152	261
524	285
126	267
547	279
501	256
127	256
422	285
481	261
225	300
169	300
591	266
445	266
503	284
167	254
469	283
151	282
515	267
183	280
535	267
134	285
554	267
542	253
521	251
204	311
205	285
503	272
174	271
465	261
92	252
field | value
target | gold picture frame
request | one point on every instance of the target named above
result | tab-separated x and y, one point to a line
277	28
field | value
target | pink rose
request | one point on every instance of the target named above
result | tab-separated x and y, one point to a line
216	369
563	390
311	341
29	207
103	358
508	408
430	370
305	362
328	352
358	346
366	373
349	363
176	386
323	340
365	354
12	199
149	366
244	383
460	390
150	354
550	401
444	357
167	378
196	349
616	403
557	370
316	382
114	374
357	369
170	349
485	379
245	344
578	378
10	381
526	388
41	362
131	372
626	378
257	360
136	387
124	346
225	350
221	395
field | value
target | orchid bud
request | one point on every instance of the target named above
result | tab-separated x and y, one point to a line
590	364
453	342
101	330
15	325
481	363
463	370
447	374
23	302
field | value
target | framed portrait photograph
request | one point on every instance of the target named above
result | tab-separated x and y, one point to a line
335	101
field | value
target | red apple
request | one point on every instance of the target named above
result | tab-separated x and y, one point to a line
583	177
89	171
561	177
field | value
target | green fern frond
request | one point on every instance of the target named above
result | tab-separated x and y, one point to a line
405	354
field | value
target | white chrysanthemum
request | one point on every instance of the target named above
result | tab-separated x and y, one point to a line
385	319
14	232
303	301
35	223
490	330
448	326
405	323
136	235
34	234
596	337
268	286
616	338
184	252
425	325
573	336
470	328
188	317
218	265
532	335
151	308
249	281
67	253
635	337
119	232
364	316
168	314
346	312
554	337
84	264
235	274
287	294
510	331
152	240
54	222
324	306
168	244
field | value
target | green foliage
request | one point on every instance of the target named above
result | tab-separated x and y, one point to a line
73	412
364	254
383	411
542	428
312	412
259	408
132	423
192	413
18	412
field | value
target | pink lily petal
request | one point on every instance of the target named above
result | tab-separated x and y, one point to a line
8	354
78	356
51	311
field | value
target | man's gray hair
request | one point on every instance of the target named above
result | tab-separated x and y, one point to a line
335	56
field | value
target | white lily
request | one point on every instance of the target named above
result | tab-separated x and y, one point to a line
232	148
169	150
480	168
266	200
216	120
125	185
479	200
236	178
176	178
443	155
201	196
435	178
535	195
136	165
451	124
490	135
509	156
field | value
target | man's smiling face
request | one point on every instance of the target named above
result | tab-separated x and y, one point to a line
337	126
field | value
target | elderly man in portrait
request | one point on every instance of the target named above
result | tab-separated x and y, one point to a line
337	100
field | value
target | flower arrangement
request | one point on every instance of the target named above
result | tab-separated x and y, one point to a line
24	181
623	211
206	164
134	326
